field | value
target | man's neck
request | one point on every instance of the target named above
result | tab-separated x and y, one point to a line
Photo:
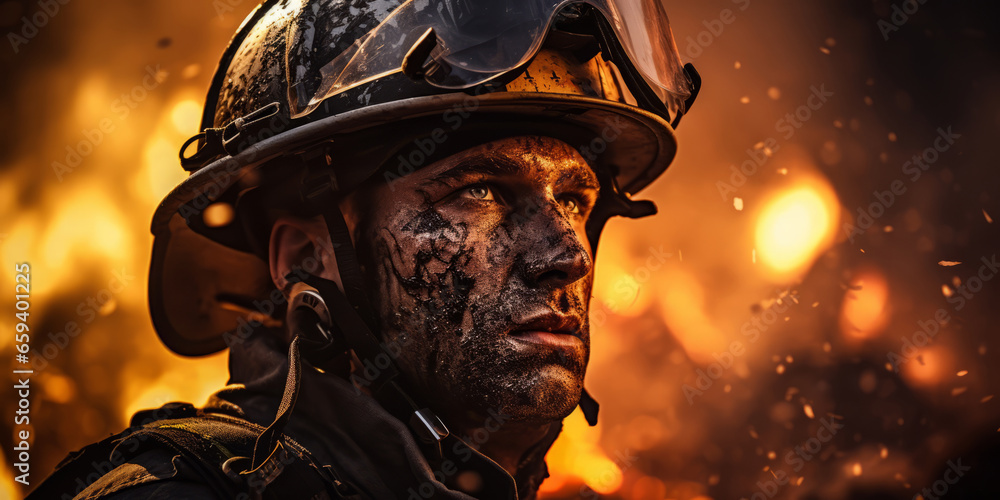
502	440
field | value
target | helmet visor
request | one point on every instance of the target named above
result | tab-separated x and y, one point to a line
481	40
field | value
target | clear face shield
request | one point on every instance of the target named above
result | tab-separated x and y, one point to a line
480	41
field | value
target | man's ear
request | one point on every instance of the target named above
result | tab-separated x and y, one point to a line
300	245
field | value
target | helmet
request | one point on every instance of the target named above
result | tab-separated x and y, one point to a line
313	97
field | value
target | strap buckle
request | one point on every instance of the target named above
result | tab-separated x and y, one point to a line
217	142
427	426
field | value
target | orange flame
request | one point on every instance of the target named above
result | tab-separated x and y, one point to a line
795	226
865	311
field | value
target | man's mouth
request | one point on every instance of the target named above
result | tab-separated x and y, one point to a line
549	329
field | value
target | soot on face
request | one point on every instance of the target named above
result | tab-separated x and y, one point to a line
452	277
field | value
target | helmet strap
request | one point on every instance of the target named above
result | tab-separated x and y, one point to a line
350	316
612	202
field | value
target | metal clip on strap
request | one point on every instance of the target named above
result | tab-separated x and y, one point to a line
230	140
260	477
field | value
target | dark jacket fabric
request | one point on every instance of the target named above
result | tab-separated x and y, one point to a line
342	428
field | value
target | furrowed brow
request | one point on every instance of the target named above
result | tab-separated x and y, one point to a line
488	165
582	178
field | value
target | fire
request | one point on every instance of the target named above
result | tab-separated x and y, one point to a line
930	366
619	291
180	379
186	115
684	309
160	172
660	320
8	488
577	457
865	312
795	227
97	230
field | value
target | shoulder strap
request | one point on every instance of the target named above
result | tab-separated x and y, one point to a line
216	446
84	467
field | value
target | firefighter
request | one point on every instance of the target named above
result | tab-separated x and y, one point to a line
391	222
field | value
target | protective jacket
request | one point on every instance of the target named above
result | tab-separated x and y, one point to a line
339	443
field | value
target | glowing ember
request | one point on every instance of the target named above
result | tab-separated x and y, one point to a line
931	366
794	227
865	309
191	71
218	214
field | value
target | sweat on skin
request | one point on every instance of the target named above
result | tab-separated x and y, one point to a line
461	258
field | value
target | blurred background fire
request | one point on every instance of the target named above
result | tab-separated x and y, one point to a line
747	338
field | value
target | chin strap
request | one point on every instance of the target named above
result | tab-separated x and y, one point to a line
589	406
342	321
612	202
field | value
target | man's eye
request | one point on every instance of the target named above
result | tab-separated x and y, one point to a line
479	192
570	204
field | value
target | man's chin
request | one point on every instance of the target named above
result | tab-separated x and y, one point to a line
551	396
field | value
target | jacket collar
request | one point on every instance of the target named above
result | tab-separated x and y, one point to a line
365	445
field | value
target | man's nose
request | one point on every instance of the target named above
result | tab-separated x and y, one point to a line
555	256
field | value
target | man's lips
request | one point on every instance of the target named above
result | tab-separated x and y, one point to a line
553	339
549	329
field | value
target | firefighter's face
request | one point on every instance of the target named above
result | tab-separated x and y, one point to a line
481	272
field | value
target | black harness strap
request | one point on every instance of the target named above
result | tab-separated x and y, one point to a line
352	314
269	438
211	444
